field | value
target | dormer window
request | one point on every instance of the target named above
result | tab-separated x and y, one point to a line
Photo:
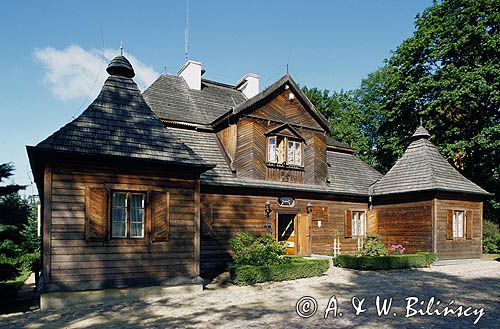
284	151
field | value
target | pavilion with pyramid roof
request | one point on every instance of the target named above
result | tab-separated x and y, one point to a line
425	204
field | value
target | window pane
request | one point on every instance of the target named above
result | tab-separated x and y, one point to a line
119	222
282	155
358	223
271	150
290	153
458	224
354	223
119	199
298	155
137	201
137	216
362	223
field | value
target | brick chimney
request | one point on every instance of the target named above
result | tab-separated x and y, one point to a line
191	71
249	85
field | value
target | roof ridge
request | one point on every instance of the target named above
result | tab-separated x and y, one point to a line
430	167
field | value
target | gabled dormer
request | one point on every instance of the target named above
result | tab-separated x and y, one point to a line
285	147
276	135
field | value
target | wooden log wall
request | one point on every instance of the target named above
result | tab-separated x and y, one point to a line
463	247
227	215
408	224
77	264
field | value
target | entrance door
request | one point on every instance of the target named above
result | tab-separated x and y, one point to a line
304	234
286	231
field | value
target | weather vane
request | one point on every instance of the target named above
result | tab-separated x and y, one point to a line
121	47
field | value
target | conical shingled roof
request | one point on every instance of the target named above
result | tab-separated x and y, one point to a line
422	168
120	123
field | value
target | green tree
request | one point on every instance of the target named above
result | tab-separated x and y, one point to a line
448	74
355	116
14	213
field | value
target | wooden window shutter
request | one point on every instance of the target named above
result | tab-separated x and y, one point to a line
348	224
469	224
160	215
449	225
96	214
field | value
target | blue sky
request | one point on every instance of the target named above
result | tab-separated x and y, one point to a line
52	51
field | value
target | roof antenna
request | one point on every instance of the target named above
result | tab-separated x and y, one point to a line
121	47
287	68
186	31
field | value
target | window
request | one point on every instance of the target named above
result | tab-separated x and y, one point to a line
281	150
458	224
271	149
127	215
358	223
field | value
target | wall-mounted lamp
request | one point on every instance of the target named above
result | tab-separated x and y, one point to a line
319	223
309	208
267	208
267	211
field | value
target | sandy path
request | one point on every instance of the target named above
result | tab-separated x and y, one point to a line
272	305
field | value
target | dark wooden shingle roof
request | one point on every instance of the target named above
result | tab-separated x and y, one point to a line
422	168
349	173
120	123
171	99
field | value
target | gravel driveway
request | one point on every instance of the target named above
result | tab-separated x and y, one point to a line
472	284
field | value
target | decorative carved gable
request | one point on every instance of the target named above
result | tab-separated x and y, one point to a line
285	130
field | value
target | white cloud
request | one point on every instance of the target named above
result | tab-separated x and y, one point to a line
76	73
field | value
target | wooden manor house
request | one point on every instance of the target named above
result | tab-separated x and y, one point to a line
146	189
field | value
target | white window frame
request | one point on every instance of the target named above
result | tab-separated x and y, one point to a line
272	156
143	221
459	224
293	158
128	216
358	216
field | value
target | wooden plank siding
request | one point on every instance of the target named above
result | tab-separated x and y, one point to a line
227	215
281	109
79	264
251	143
462	247
408	224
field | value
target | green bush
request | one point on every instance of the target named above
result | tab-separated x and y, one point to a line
294	268
422	259
30	262
373	246
491	238
257	251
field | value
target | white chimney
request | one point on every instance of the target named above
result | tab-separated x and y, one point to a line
249	85
191	72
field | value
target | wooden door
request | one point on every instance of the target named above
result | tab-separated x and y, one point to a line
286	231
304	234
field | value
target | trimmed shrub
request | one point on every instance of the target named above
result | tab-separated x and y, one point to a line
8	268
294	268
373	246
422	259
491	238
257	251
